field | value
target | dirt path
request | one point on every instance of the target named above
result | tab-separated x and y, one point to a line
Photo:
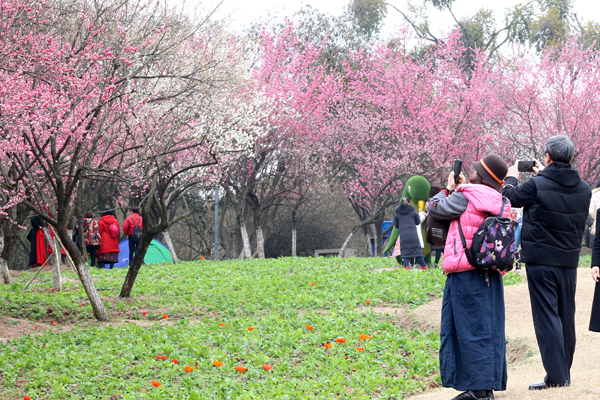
519	326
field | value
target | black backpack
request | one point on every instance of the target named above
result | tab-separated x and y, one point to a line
137	232
493	244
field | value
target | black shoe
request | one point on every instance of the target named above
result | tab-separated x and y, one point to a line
545	385
469	395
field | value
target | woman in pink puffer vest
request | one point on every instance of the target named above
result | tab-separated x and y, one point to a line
473	342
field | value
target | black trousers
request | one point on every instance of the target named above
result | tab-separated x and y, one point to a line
552	293
132	249
92	249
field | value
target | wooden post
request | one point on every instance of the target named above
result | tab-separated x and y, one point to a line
343	249
260	242
167	237
246	252
56	270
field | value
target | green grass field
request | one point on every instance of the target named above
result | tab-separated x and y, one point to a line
210	308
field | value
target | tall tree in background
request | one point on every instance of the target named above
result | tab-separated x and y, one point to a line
559	95
539	24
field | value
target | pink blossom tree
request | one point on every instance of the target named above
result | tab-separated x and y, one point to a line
396	115
557	95
100	92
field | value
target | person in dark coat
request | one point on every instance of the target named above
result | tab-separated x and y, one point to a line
439	250
406	223
472	334
39	248
595	318
555	208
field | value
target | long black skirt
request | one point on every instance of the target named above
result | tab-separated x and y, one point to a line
473	340
595	319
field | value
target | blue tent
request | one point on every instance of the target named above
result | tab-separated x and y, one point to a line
384	226
157	252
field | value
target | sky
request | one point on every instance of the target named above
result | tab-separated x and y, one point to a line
244	12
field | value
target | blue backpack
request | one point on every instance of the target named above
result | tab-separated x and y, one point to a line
493	243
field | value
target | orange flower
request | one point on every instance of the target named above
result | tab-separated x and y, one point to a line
163	357
327	345
54	323
368	302
312	284
26	398
202	258
217	363
251	329
188	368
222	324
35	327
144	313
241	370
340	340
309	327
267	367
155	384
174	361
165	316
360	349
364	337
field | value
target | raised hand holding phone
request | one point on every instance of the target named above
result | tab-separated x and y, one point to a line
537	167
452	181
526	166
457	169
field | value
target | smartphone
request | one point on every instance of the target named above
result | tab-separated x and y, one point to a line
457	170
526	166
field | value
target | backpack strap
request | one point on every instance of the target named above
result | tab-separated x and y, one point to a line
462	235
504	203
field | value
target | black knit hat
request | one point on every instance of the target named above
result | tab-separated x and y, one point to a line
492	170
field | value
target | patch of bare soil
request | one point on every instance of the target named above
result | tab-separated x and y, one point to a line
525	364
12	328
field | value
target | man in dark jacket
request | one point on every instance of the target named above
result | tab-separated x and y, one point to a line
555	206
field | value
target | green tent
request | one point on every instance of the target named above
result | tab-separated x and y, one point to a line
157	253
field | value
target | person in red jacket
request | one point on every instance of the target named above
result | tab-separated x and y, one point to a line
130	226
108	252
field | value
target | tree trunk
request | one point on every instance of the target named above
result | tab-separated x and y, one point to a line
3	264
294	226
95	300
368	241
56	270
167	237
135	265
260	242
83	271
293	243
247	251
343	249
379	238
4	271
